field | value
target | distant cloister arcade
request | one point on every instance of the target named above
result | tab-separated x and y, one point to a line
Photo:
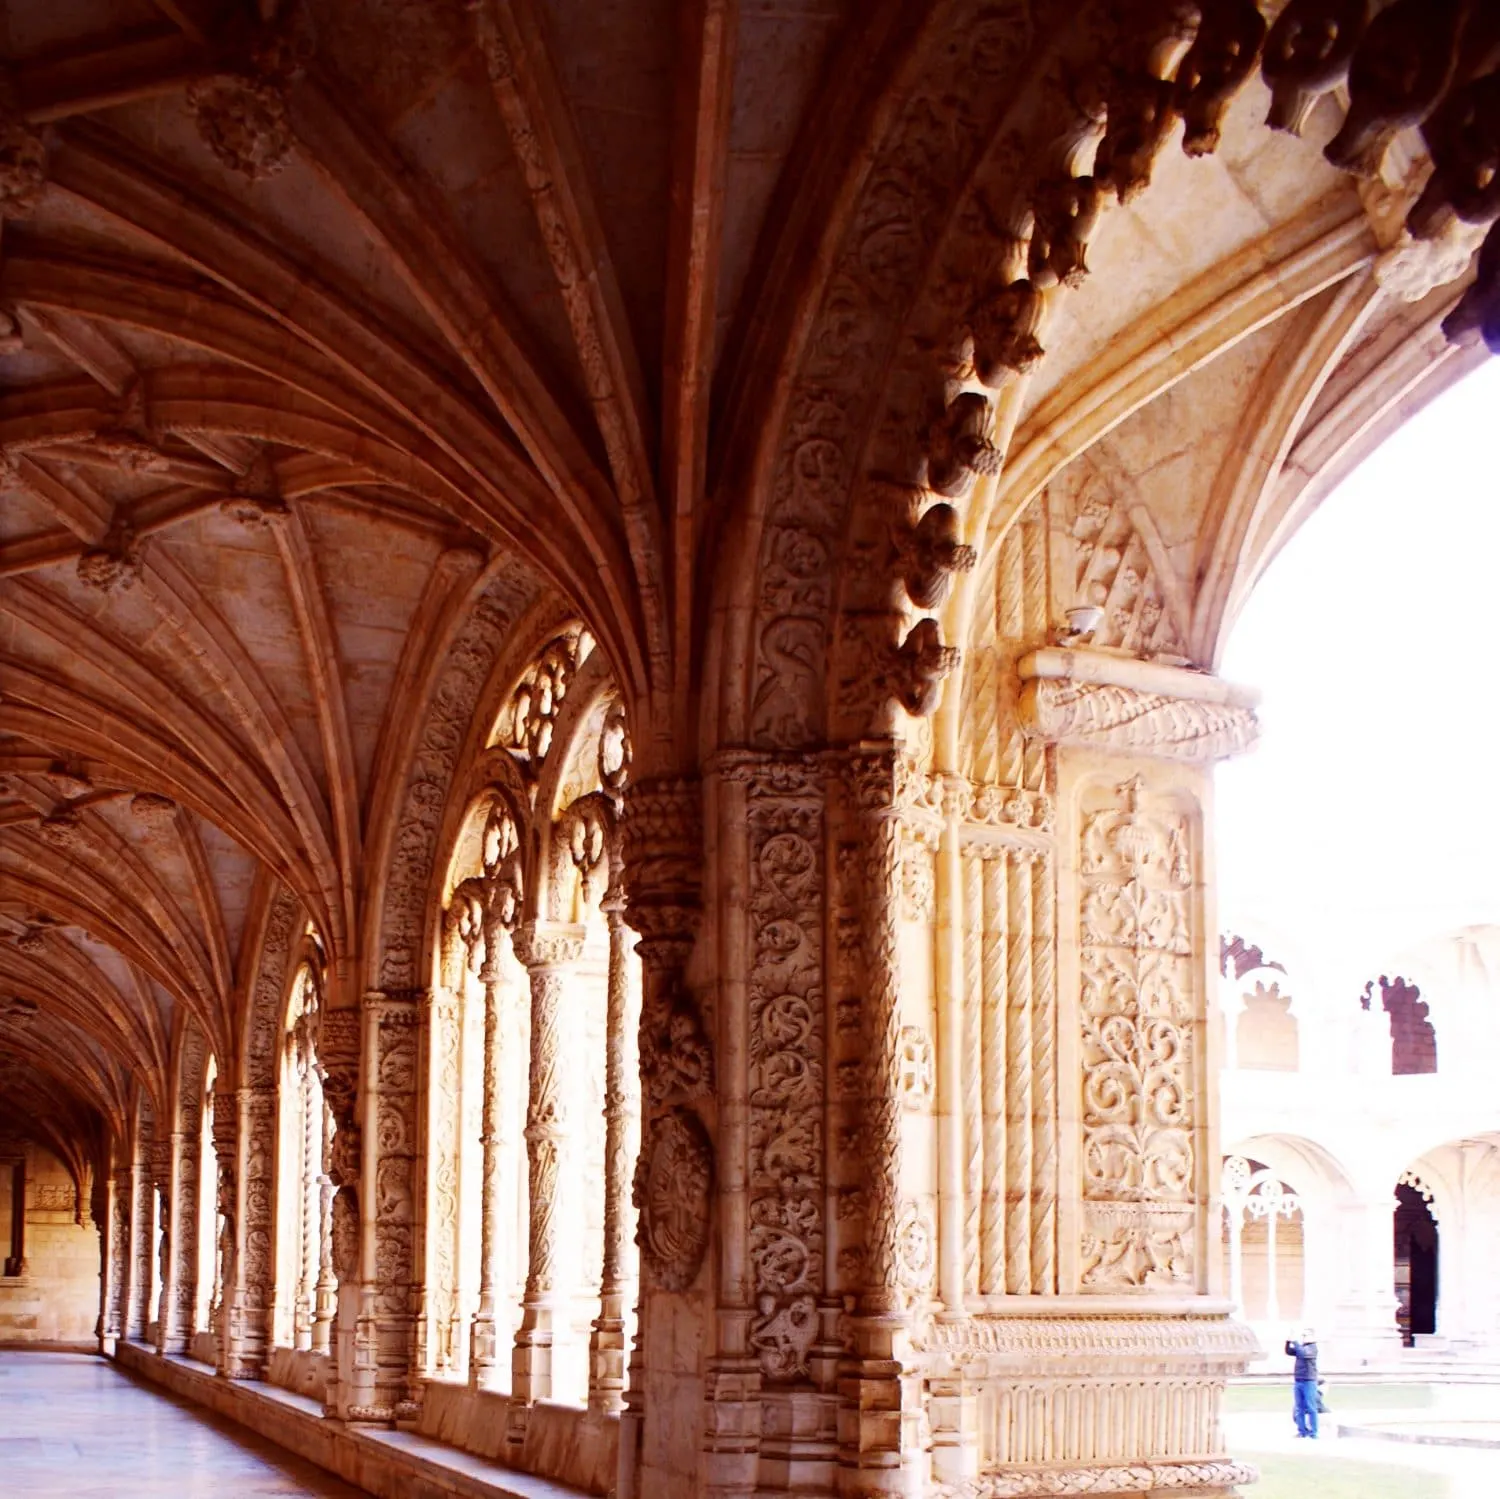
1385	1175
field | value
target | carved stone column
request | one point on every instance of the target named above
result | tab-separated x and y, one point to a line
391	1059
142	1222
325	1293
187	1148
662	848
339	1055
444	1118
228	1312
309	1153
621	1099
880	1398
118	1290
163	1156
484	1360
254	1296
547	950
179	1244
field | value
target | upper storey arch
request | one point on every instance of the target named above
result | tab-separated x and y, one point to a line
1027	280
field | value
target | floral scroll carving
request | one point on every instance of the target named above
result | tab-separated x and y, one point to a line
787	1048
1138	1004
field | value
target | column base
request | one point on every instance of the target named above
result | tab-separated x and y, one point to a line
607	1365
531	1363
882	1438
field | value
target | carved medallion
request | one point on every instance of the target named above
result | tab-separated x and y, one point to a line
915	1076
672	1193
915	1248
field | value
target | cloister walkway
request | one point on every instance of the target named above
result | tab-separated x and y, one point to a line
74	1425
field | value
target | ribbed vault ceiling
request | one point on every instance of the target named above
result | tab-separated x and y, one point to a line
316	320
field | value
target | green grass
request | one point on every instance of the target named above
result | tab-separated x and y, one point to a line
1286	1477
1340	1397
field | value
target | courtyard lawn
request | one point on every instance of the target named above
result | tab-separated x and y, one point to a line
1284	1476
1340	1398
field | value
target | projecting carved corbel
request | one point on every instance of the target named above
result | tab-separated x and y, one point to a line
1222	57
1478	313
1463	139
241	112
1398	73
1064	212
958	446
1003	329
1307	55
932	554
920	664
1095	700
1141	116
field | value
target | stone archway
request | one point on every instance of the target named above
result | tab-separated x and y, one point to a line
1416	1259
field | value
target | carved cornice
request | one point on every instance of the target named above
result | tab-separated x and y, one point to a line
1093	700
397	1007
1086	1347
1135	1478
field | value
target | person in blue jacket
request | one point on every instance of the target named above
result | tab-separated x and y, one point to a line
1304	1382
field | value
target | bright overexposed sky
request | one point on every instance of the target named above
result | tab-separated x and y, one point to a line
1368	818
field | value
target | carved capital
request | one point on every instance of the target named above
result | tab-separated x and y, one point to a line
662	848
161	1165
338	1058
548	944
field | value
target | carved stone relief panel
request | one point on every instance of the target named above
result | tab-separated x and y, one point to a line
1139	1001
787	1059
398	1018
443	1120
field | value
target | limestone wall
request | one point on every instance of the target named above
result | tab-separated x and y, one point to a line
57	1298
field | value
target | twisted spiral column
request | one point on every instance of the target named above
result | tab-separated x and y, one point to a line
607	1341
483	1353
1018	1154
992	955
547	951
973	1094
1043	1081
879	828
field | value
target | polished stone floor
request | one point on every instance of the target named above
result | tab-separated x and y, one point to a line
74	1427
